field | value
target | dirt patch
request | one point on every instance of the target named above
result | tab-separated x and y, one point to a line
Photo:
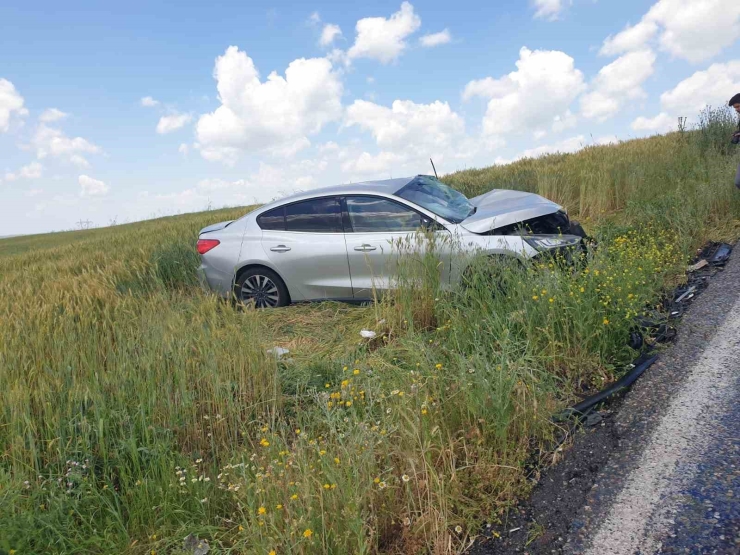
541	524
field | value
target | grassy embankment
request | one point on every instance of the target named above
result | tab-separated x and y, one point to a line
135	409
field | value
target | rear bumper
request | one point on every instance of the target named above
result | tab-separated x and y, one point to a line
213	280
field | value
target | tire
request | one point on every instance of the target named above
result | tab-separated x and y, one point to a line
261	287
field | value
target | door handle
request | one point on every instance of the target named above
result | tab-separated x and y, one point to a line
365	248
280	248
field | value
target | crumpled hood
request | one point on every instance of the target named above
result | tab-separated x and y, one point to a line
215	227
502	207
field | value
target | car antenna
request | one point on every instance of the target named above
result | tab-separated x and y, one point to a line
435	169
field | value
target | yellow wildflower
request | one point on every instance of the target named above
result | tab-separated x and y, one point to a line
261	511
307	533
264	442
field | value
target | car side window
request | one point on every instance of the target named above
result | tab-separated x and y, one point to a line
272	220
319	215
377	215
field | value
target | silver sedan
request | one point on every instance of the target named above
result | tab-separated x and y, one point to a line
339	243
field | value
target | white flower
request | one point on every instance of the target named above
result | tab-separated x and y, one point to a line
405	478
458	529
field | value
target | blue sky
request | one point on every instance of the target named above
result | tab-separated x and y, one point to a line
359	91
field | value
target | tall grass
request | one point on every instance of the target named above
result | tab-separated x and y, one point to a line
136	409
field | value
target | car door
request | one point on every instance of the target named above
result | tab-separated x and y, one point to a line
304	241
378	230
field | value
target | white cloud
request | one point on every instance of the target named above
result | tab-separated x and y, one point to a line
529	99
329	146
633	37
266	184
34	192
435	39
407	135
329	33
51	141
173	122
314	18
711	87
548	9
31	171
275	115
79	161
659	124
407	125
52	114
486	88
183	149
568	145
565	121
149	102
694	30
218	184
10	102
616	83
384	39
92	187
367	164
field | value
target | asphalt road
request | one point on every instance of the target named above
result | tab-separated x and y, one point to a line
674	484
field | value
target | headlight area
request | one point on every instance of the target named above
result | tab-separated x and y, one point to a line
545	243
569	248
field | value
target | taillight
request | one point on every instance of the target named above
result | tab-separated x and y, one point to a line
204	245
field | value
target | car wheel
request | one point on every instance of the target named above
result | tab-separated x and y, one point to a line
261	287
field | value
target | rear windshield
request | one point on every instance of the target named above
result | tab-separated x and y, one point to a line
435	196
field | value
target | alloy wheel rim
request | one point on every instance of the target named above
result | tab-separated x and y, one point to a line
262	290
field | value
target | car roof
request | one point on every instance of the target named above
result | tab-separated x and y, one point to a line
384	186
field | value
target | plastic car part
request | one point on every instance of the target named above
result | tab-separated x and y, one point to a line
721	255
640	365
